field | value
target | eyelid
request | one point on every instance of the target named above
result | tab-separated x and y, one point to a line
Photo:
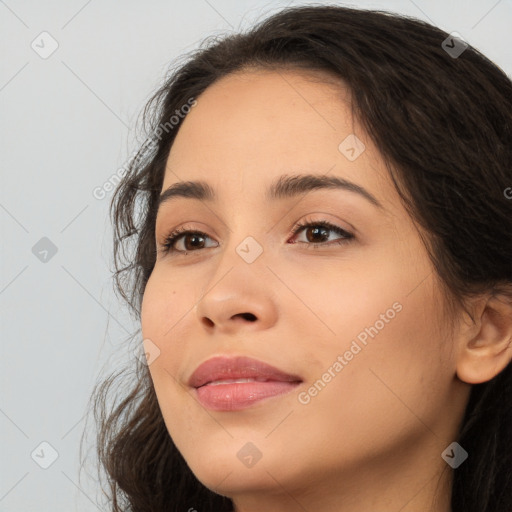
177	234
336	225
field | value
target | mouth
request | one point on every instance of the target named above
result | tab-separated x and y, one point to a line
235	383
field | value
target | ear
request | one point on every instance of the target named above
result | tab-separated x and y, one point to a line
486	348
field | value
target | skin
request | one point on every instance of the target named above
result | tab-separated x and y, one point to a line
372	438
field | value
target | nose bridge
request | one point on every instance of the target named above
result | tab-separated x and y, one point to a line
243	260
247	236
239	285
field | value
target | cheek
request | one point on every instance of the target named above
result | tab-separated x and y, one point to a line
164	303
396	369
386	327
164	309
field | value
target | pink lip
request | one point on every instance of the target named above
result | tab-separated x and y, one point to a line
231	396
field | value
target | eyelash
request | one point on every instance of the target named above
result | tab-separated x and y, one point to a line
174	236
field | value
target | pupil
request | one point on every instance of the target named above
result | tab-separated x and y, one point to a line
194	237
321	230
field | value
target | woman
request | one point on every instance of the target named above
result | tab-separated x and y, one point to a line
323	275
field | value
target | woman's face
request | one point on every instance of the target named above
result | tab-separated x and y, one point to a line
357	324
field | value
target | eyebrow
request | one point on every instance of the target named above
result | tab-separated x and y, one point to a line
286	186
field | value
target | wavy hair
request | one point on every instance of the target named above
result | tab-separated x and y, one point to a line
443	125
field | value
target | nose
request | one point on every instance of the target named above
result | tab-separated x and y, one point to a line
238	303
238	317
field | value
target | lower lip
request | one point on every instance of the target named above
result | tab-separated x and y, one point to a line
236	396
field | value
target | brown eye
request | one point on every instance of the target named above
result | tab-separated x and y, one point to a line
183	240
317	233
192	241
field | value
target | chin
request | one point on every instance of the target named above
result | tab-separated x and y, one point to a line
234	466
233	479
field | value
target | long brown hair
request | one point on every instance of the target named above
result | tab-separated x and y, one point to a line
442	122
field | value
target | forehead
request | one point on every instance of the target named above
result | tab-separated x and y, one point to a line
249	127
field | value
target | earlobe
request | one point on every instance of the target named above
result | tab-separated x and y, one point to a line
485	354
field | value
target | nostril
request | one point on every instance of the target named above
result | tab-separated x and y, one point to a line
248	316
208	322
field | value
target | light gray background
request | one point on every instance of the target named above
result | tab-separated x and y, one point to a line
67	124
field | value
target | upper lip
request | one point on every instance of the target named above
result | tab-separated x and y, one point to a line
239	367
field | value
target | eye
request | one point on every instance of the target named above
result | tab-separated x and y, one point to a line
319	230
190	240
184	240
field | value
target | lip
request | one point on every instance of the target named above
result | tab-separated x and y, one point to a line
213	383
